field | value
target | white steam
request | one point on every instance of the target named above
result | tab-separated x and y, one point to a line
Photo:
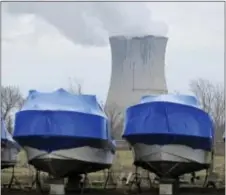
91	23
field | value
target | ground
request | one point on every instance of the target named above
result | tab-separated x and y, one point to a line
122	164
184	191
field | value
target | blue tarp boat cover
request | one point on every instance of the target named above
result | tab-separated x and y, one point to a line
57	120
169	119
6	137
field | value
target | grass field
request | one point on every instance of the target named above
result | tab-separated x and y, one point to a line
122	163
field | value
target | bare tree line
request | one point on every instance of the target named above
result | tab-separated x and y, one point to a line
212	99
11	101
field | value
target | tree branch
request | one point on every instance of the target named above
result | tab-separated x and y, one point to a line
11	100
75	87
212	99
115	118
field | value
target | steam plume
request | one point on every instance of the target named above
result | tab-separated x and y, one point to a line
92	23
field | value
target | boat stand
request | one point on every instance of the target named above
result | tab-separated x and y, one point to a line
168	185
109	177
77	183
36	182
137	180
57	185
14	180
212	178
84	182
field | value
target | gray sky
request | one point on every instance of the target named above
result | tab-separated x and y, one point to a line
36	55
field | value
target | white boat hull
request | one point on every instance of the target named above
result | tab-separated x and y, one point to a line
170	160
67	162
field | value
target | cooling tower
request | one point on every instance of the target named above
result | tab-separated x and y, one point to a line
137	69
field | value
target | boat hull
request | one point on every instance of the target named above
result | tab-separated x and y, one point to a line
65	163
170	160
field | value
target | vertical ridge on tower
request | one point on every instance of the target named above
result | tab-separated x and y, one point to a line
138	65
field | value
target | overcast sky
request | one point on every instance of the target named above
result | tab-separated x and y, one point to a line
37	55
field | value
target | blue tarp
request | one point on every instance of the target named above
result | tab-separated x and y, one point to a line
58	120
169	119
6	137
179	99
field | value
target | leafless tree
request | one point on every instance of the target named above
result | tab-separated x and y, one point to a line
212	99
115	119
75	86
116	125
11	100
9	123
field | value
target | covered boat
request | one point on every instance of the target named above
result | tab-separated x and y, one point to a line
64	134
170	135
9	148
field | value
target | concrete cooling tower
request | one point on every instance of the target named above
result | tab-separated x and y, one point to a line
137	69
